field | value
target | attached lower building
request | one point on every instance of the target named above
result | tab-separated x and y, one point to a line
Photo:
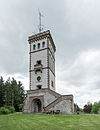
41	96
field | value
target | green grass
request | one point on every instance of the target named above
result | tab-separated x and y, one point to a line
19	121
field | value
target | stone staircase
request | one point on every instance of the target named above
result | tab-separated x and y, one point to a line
54	93
59	99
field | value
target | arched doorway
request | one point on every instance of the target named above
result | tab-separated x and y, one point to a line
37	105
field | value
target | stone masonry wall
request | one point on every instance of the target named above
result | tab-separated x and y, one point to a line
64	107
48	98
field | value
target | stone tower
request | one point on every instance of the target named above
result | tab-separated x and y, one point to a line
42	61
41	96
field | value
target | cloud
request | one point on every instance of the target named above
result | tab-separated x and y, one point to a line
81	77
75	28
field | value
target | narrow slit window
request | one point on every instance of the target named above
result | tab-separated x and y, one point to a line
52	84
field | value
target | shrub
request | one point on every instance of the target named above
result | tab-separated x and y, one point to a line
99	111
11	109
4	110
20	107
87	108
96	107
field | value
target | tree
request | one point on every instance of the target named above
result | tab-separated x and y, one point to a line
77	108
11	93
17	93
99	111
2	92
96	107
87	108
8	92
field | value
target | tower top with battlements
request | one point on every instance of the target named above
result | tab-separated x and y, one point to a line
42	35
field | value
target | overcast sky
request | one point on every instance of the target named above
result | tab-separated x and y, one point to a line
75	28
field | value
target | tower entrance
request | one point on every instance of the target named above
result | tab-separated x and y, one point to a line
37	105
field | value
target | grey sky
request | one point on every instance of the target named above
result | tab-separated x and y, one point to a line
75	28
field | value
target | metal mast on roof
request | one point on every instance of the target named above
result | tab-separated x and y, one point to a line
40	22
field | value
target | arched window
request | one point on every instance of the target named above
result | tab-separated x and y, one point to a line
38	45
34	47
43	44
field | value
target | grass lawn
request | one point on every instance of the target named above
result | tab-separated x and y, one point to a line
19	121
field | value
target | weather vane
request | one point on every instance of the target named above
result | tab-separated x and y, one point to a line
40	22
